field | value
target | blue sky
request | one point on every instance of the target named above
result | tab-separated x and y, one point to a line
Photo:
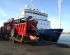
11	8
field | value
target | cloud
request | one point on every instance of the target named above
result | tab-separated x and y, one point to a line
3	13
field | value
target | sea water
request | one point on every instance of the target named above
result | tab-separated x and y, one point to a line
64	38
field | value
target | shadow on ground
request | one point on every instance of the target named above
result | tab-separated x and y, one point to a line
44	43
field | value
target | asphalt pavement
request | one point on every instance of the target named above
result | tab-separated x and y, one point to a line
40	48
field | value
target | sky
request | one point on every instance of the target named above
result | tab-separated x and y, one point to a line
11	9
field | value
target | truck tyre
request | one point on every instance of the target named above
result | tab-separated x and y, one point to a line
13	33
7	36
3	32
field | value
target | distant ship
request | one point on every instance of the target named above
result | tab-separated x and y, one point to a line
44	30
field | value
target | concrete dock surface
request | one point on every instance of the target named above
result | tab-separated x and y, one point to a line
40	48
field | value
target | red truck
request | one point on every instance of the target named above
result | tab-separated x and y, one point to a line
20	30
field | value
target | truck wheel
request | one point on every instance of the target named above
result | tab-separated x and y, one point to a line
13	33
7	36
3	32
